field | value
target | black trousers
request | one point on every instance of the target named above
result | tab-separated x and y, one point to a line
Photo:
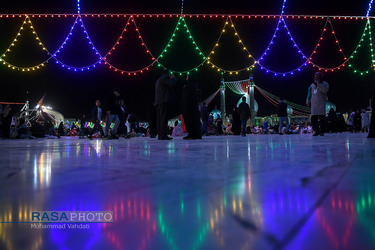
318	123
162	120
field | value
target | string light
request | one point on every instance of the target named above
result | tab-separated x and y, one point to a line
369	8
271	44
369	34
28	22
181	21
91	44
133	72
170	15
339	50
244	48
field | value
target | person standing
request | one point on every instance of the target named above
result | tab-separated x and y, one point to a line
113	103
357	121
190	109
282	113
350	121
6	121
204	117
316	99
244	111
162	96
97	114
151	117
365	121
236	122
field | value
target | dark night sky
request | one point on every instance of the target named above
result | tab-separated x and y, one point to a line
74	93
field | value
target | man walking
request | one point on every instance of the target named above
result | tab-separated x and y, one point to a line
113	106
316	99
162	96
96	118
244	111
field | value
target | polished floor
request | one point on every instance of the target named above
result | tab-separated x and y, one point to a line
228	192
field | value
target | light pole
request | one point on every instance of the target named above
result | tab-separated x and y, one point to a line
222	98
252	99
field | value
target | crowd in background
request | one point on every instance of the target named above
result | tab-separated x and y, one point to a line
113	121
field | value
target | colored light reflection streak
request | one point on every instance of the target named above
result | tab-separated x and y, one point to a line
42	170
136	213
20	211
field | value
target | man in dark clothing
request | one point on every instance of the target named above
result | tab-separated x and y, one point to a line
282	113
244	111
357	121
97	113
113	107
151	117
162	97
333	121
204	117
6	121
236	123
219	125
190	108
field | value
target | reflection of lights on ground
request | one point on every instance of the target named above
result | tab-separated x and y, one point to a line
171	147
6	230
42	170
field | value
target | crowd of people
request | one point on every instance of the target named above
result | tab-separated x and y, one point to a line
113	121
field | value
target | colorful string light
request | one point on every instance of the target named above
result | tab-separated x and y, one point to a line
244	48
85	33
345	59
369	34
181	21
132	72
28	22
271	44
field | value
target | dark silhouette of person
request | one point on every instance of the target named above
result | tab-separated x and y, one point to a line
7	120
97	115
112	111
190	108
244	111
236	124
151	118
282	113
162	97
332	121
357	121
204	117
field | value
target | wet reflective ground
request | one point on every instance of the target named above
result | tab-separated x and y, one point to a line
258	192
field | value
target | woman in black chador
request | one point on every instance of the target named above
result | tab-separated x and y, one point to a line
190	108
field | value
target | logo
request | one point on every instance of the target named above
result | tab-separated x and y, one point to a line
71	216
